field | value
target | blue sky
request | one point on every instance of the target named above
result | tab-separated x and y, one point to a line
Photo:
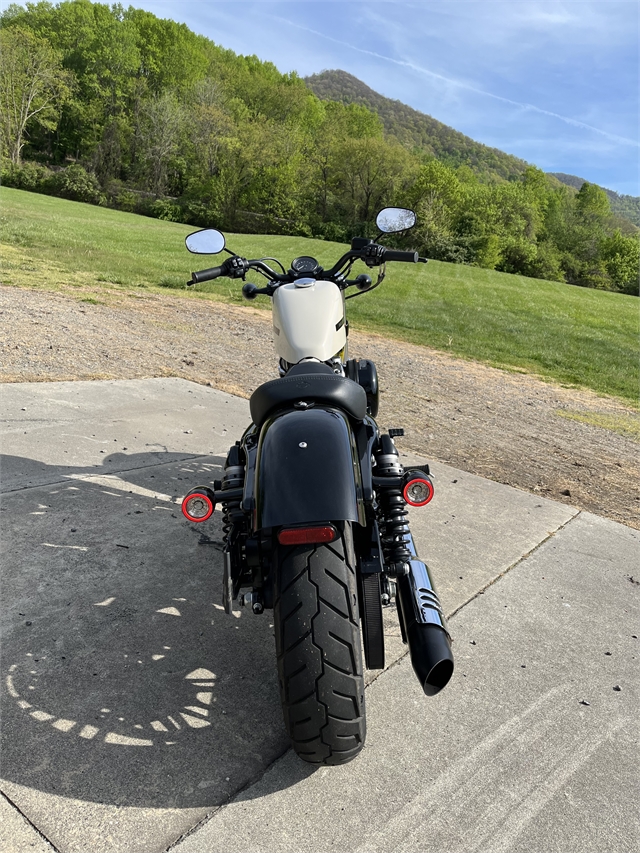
555	83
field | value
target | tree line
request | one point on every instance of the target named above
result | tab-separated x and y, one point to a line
417	130
116	106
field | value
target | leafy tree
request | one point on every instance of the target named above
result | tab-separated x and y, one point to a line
547	263
487	251
273	192
334	127
369	171
170	55
162	124
517	254
592	201
33	87
621	256
437	197
210	126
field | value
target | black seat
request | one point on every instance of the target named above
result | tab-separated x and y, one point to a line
308	382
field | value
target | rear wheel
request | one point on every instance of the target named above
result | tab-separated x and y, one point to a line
317	628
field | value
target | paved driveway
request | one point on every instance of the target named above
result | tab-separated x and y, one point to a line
136	713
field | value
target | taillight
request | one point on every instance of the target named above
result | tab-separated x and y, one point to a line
198	504
418	489
307	535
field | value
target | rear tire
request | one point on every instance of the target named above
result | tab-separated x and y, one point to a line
317	628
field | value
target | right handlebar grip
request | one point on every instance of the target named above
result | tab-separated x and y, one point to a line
206	275
397	255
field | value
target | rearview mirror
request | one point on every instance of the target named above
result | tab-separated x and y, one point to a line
393	219
205	242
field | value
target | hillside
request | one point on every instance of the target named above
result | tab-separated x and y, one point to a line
415	128
153	118
572	335
622	205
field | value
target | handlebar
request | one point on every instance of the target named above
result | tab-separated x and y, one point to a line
206	275
396	255
236	267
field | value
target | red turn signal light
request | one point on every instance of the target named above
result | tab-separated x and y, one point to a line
418	489
199	504
307	535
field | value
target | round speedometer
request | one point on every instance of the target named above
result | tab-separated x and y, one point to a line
304	264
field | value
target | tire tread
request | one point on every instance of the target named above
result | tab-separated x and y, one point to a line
318	646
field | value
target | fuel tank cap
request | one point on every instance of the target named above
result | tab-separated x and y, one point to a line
304	282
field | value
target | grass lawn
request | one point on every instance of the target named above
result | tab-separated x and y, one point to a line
570	334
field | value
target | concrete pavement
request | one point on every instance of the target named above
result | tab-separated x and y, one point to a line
134	710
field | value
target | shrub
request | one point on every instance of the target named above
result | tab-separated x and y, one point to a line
77	184
449	248
200	213
518	254
29	176
332	231
120	196
165	209
126	200
547	263
486	251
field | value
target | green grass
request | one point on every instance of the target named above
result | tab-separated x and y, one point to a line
572	335
624	423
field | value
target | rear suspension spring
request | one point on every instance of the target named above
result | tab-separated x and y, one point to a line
232	514
392	511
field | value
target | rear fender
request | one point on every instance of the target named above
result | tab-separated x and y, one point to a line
307	470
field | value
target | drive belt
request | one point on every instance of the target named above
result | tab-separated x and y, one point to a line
372	630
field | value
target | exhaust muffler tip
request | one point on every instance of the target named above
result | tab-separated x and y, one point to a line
431	657
424	628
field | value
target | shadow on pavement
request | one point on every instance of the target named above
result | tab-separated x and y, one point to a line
20	472
124	682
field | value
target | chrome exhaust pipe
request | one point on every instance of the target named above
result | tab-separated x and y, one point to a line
424	627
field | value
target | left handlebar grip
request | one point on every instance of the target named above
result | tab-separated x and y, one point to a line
396	255
206	275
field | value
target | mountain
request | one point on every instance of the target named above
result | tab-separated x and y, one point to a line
627	206
426	134
417	129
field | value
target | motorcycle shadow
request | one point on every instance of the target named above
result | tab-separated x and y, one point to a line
124	681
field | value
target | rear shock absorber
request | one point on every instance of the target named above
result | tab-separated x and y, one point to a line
232	526
233	478
394	529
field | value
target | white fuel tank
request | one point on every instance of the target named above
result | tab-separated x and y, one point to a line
309	320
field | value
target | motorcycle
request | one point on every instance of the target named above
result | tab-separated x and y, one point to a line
314	502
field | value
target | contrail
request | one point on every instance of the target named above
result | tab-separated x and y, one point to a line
403	63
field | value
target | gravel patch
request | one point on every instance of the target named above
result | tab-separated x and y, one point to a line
501	425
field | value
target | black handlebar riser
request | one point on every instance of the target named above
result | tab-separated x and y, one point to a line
206	275
397	255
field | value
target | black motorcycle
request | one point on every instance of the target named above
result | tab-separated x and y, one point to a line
314	501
